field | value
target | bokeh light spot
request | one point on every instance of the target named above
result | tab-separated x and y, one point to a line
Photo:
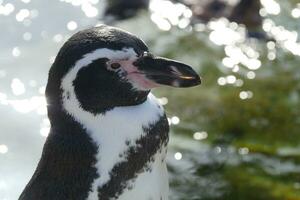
200	135
3	149
178	156
72	25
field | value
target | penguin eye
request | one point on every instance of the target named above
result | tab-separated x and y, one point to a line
115	65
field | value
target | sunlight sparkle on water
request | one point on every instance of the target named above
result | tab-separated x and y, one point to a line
271	6
44	34
42	110
32	83
283	34
229	62
89	10
251	53
27	22
6	9
25	1
72	25
178	156
52	59
87	6
295	13
163	100
236	68
42	90
223	34
166	13
285	38
263	12
3	148
250	94
199	27
162	23
34	13
222	81
183	23
239	83
16	52
243	95
235	53
3	99
175	120
271	56
44	131
58	38
218	150
17	87
3	185
246	95
251	75
27	36
200	135
252	64
2	73
231	79
268	24
28	105
243	151
46	122
271	45
243	54
239	52
22	14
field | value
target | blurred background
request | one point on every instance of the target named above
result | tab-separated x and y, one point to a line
236	137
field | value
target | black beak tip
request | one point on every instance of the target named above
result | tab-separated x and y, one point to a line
198	80
190	78
192	81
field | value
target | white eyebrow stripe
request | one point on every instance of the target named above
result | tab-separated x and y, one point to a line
72	104
87	59
124	54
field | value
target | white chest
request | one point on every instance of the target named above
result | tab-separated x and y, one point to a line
114	133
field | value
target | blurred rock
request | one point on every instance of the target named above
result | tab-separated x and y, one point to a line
240	11
247	12
123	9
206	10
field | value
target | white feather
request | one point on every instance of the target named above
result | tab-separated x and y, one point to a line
152	184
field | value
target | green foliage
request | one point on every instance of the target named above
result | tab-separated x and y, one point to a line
270	118
265	123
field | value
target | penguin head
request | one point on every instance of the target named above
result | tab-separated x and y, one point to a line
103	67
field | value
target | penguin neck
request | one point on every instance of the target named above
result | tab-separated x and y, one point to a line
67	165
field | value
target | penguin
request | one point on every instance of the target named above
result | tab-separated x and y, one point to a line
108	137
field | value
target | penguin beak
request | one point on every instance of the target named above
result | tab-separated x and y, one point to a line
164	71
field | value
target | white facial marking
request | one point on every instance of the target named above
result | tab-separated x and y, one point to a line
125	54
140	82
130	73
110	131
